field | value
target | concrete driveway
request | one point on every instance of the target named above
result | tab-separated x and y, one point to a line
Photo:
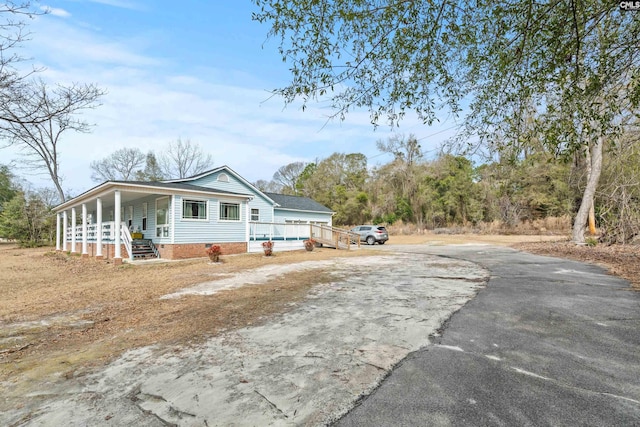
306	367
548	342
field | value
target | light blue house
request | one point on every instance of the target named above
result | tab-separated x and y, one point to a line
180	218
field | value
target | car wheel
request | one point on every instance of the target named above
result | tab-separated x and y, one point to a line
371	240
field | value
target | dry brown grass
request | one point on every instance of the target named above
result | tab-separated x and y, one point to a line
621	260
60	314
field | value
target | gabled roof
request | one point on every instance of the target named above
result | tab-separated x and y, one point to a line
226	169
297	203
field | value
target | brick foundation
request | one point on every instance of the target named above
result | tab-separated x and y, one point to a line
198	250
167	251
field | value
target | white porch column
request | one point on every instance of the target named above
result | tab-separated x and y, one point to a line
58	247
74	221
247	225
65	225
99	228
116	232
84	231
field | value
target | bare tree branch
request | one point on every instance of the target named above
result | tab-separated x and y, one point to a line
56	110
183	159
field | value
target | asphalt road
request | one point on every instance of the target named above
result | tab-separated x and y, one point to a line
548	342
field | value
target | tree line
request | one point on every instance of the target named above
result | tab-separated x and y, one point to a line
562	74
451	190
550	91
447	191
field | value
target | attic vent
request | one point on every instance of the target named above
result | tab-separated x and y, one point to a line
223	177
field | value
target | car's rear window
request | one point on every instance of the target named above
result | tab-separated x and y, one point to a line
382	229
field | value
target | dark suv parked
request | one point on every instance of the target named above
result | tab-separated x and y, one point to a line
371	234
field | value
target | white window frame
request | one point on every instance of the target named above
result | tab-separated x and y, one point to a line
162	230
223	177
226	219
255	216
130	218
199	201
145	210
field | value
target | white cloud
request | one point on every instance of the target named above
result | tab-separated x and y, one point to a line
55	11
118	3
148	106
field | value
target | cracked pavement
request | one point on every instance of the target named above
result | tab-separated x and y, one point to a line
547	342
308	366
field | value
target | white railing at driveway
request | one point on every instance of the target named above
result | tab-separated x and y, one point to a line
277	231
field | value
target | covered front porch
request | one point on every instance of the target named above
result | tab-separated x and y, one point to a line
114	225
120	220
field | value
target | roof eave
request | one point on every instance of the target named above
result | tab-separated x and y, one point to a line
109	186
306	210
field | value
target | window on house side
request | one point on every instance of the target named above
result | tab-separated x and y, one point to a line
145	207
229	212
255	214
194	209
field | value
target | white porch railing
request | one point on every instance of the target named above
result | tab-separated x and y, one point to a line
107	231
277	231
125	237
92	232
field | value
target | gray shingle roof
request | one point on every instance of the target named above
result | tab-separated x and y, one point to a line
297	203
179	186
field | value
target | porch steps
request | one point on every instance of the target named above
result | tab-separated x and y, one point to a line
143	249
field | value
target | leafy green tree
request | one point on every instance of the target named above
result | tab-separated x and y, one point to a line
399	195
7	188
453	179
560	72
28	219
524	189
151	171
338	182
304	177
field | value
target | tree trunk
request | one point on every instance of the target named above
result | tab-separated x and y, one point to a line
592	220
593	177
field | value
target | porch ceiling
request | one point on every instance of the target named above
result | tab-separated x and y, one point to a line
131	191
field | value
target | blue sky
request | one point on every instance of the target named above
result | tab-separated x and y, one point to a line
193	70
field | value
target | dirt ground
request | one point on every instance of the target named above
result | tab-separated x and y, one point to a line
61	315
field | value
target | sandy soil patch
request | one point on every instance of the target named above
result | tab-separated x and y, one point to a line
62	317
305	366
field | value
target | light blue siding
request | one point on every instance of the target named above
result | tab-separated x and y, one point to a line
185	230
282	216
235	185
212	229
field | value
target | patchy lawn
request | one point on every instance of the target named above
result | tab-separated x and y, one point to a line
60	314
